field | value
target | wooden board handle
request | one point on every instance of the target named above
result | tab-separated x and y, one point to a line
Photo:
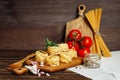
81	9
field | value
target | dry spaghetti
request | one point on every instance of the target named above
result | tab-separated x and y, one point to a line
99	46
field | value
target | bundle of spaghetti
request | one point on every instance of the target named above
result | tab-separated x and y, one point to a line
99	46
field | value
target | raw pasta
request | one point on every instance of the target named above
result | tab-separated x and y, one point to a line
53	50
52	60
40	56
99	46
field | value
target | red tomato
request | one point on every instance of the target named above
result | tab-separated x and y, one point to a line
86	42
75	34
73	45
83	52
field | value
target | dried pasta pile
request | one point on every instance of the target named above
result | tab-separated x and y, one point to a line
99	46
56	55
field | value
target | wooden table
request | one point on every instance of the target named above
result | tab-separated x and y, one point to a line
10	56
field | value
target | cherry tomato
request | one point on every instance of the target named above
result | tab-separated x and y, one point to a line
74	34
73	45
86	42
84	51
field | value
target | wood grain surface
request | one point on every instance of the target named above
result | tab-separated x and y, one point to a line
25	24
11	56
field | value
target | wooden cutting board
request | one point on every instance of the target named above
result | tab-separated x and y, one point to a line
79	23
75	62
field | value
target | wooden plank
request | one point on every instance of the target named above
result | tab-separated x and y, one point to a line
57	12
30	38
49	16
8	75
34	38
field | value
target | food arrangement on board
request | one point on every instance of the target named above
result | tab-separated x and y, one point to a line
56	57
81	41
